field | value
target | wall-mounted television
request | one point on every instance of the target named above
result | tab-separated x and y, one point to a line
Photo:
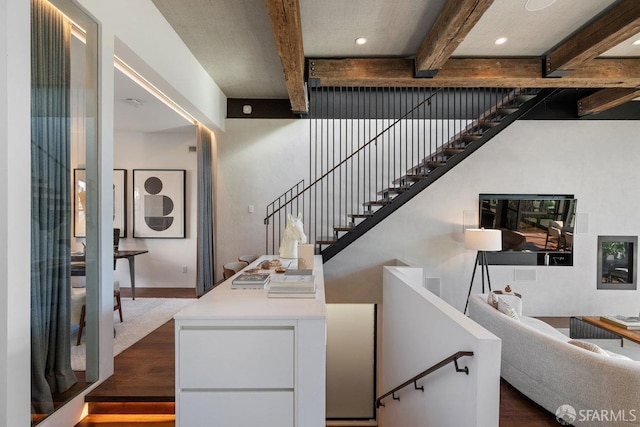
537	229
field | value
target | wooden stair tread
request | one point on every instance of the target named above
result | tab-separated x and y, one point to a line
409	177
115	420
487	124
435	164
377	203
132	408
361	215
325	240
467	137
452	151
524	97
391	190
505	111
342	227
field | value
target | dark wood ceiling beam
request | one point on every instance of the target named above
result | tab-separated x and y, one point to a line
605	99
613	27
451	27
471	72
287	31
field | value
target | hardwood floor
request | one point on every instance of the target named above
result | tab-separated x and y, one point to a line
516	410
142	373
142	388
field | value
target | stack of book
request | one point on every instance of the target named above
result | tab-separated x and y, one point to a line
631	323
292	286
250	281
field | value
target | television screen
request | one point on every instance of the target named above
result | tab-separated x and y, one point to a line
536	224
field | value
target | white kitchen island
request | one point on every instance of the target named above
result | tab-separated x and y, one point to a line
243	359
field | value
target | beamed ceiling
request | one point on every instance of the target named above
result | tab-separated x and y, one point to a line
277	48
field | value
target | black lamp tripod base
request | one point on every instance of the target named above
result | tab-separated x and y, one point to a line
481	258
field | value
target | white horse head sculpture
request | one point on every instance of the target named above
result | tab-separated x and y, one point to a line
293	234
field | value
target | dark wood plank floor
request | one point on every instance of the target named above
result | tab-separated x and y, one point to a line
142	373
516	410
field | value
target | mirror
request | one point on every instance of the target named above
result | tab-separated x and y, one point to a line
617	260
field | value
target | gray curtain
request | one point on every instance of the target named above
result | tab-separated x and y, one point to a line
50	207
205	274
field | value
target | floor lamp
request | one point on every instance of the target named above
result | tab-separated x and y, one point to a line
483	241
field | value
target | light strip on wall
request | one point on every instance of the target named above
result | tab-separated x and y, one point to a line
149	87
78	32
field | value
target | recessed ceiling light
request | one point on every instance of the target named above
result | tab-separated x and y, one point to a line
501	40
134	102
536	5
361	40
636	43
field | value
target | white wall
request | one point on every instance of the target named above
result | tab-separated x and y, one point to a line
595	160
258	160
163	265
413	320
15	222
566	157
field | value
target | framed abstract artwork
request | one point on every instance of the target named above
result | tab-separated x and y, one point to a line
617	261
159	203
119	201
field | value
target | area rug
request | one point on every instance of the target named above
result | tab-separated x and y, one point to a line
140	317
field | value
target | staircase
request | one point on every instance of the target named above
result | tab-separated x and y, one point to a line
402	168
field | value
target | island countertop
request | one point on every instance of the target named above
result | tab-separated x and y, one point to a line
222	302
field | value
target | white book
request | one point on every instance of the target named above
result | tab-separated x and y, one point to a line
250	281
292	284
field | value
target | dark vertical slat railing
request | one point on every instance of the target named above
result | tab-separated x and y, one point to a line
288	202
364	139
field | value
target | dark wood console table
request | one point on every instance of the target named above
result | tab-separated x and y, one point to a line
120	254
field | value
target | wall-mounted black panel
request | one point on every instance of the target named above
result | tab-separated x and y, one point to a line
245	108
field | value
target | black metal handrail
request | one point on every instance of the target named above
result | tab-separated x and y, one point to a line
355	153
453	358
368	148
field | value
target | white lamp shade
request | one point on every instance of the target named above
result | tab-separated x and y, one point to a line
482	239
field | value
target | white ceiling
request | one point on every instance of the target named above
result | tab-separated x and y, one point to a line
234	42
529	33
152	115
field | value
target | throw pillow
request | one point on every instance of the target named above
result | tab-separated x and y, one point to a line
492	299
589	346
504	307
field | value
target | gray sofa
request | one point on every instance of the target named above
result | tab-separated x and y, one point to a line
540	362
